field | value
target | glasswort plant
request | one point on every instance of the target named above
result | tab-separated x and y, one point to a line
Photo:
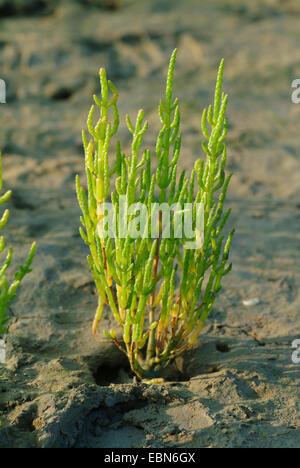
160	290
8	291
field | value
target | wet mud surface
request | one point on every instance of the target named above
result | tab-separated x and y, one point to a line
239	387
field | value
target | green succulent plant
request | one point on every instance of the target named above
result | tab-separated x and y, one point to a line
158	288
8	291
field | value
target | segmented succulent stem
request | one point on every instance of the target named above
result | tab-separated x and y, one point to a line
8	290
154	285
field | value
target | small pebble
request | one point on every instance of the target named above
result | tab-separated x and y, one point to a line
251	302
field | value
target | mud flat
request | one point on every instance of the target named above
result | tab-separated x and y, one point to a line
239	388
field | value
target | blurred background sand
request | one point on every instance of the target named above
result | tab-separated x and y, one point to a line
240	387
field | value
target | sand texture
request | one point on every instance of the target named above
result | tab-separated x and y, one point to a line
239	387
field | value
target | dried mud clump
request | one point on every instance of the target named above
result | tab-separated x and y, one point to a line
105	4
26	7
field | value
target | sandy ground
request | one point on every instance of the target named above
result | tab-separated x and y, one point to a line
239	388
